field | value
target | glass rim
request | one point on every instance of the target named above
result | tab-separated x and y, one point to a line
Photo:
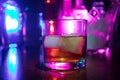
65	20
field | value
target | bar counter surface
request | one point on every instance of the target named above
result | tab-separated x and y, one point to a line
24	63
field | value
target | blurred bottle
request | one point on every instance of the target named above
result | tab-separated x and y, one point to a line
100	6
100	26
114	11
80	11
97	26
65	10
24	30
1	24
112	15
41	25
12	18
51	9
96	11
117	2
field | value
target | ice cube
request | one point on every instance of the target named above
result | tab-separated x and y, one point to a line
73	44
51	41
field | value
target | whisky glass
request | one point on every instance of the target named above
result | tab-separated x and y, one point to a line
64	43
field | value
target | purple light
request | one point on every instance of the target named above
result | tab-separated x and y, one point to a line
107	54
107	37
24	31
58	65
81	14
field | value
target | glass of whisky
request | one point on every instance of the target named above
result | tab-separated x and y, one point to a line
64	43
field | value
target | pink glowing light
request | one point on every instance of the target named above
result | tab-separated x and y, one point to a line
101	51
67	26
94	13
107	37
59	66
24	31
107	54
3	41
70	27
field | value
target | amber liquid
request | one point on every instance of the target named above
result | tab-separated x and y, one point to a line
69	49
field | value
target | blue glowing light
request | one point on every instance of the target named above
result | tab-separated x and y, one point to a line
41	23
10	7
12	20
12	63
82	63
12	45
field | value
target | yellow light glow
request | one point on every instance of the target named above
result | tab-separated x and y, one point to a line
62	59
51	27
48	1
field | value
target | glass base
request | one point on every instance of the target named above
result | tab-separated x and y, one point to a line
66	65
